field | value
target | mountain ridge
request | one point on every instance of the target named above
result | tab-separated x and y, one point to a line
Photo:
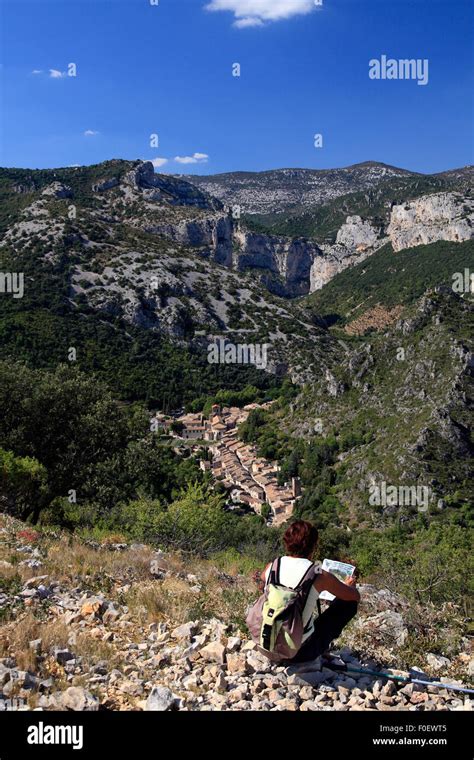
467	168
288	260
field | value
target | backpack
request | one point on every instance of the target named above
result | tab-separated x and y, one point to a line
275	621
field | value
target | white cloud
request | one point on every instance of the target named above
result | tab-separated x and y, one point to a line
55	74
257	12
90	133
157	162
242	23
37	71
196	158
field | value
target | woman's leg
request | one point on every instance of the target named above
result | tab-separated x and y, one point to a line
327	627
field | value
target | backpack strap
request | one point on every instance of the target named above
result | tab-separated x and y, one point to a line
311	573
278	565
274	574
307	581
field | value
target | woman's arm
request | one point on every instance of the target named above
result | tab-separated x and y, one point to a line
263	575
260	578
328	582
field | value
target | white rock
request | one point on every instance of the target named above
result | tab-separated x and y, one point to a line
78	699
233	643
213	652
441	216
160	699
437	662
184	631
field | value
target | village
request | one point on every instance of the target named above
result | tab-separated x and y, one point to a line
250	479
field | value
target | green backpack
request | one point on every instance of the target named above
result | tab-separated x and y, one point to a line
275	621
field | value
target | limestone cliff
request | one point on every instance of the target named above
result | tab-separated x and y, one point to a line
356	240
289	259
442	216
212	235
131	193
179	211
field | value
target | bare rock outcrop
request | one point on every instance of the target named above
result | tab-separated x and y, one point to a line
357	234
211	234
356	240
442	216
57	190
105	184
289	259
172	190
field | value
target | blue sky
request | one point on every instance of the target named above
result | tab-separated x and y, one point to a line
166	69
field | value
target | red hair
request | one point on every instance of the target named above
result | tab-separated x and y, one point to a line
300	539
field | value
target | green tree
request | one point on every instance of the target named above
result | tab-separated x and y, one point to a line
23	484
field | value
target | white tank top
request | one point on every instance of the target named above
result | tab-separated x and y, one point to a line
292	569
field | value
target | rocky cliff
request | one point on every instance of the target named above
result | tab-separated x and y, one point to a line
283	264
442	216
356	240
173	209
162	187
211	236
282	203
289	259
286	266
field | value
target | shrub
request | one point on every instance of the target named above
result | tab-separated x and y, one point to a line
22	482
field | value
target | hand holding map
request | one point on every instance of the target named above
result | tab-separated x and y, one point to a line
342	570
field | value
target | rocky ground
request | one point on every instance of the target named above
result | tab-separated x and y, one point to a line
112	626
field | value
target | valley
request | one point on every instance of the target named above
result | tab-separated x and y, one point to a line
236	375
127	413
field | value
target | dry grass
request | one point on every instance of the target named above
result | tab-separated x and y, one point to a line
15	638
173	599
68	559
8	573
93	649
158	601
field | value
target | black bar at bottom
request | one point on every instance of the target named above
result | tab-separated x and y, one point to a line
117	735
